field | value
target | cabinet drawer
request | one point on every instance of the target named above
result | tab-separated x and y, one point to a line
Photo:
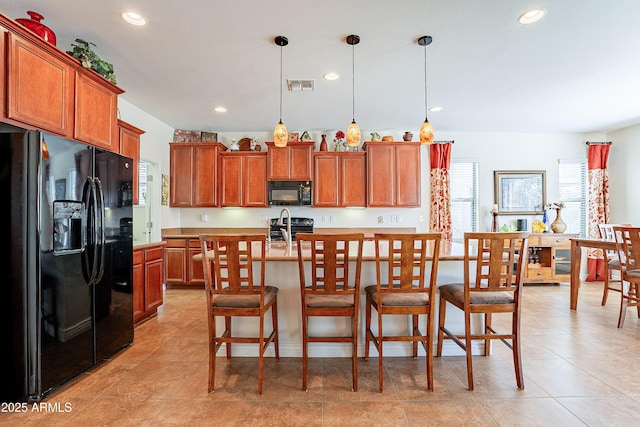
137	257
175	243
153	254
554	241
194	243
539	273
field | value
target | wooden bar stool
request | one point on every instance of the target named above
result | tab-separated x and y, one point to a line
231	291
332	290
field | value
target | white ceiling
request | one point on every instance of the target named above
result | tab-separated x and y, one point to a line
577	70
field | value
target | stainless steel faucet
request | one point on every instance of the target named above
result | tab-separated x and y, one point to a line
287	233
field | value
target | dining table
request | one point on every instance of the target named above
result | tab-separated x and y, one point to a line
576	258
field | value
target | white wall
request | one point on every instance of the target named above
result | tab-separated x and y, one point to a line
624	175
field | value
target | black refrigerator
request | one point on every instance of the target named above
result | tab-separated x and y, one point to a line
66	300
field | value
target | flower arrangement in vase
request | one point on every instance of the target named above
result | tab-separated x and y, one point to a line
340	144
558	225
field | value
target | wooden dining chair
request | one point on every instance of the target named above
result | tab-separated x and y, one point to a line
333	290
611	263
233	290
628	247
493	272
408	289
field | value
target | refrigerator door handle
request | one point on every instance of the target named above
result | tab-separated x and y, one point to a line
87	198
100	233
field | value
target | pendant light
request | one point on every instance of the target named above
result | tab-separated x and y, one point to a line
353	131
280	134
426	130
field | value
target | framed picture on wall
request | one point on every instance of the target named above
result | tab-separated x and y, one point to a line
520	192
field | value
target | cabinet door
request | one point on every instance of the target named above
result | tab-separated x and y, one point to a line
139	305
325	180
277	163
175	267
380	175
206	171
196	273
181	179
255	180
407	173
300	158
95	113
231	180
129	137
353	180
153	275
39	88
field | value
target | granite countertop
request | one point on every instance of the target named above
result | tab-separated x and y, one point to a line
194	233
145	245
279	251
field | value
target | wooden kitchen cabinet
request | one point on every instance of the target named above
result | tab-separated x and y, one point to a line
40	90
291	163
129	143
243	179
552	251
339	179
182	271
148	280
194	174
96	112
49	90
393	174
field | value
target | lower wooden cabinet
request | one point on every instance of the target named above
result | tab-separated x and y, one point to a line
549	258
182	271
148	280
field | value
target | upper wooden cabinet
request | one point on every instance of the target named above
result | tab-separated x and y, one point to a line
243	179
129	137
393	174
96	113
194	174
339	179
290	163
48	89
40	90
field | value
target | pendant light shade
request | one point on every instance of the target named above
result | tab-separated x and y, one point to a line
426	130
353	131
280	134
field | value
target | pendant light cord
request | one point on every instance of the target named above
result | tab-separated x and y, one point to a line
353	83
280	83
426	110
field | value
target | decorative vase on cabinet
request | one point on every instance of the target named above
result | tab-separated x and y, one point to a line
323	144
558	225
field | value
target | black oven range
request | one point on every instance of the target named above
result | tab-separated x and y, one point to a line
303	225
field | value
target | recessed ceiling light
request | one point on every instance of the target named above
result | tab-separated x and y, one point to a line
133	18
531	16
435	108
220	109
331	76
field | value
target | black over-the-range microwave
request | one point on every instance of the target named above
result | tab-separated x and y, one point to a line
290	193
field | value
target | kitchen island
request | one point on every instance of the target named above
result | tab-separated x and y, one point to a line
282	271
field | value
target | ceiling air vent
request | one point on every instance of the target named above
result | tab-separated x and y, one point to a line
300	85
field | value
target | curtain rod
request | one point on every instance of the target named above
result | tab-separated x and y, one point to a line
601	143
443	142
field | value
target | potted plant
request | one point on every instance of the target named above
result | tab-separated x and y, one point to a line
83	51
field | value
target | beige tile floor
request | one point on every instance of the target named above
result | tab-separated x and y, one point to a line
576	366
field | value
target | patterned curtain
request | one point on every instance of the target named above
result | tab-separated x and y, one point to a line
440	215
598	205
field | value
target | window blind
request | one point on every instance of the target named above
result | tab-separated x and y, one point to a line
464	198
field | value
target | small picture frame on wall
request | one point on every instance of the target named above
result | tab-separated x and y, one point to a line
293	137
164	201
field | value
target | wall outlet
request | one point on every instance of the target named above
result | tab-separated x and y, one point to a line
420	218
333	218
204	218
398	218
380	219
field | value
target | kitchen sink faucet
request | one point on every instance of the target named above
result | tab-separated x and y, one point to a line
286	233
